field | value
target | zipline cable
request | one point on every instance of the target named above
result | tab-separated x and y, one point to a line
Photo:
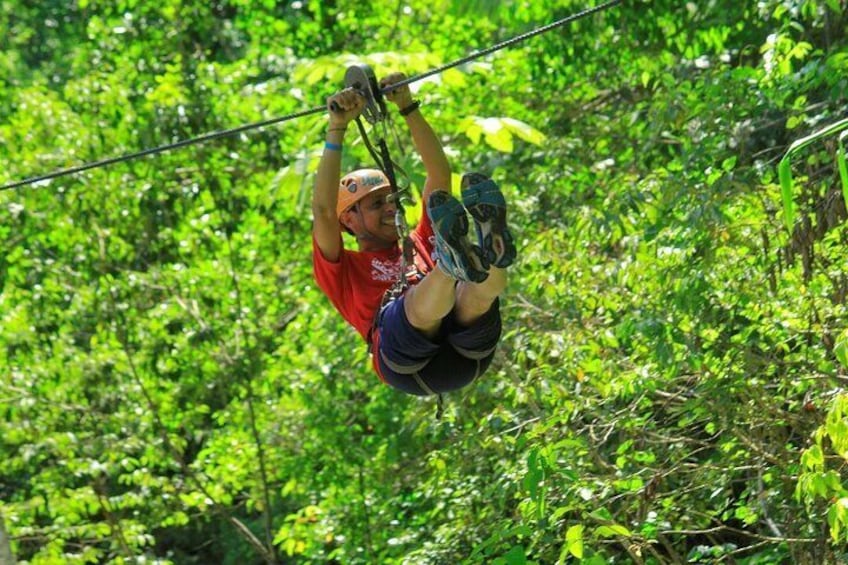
160	149
229	132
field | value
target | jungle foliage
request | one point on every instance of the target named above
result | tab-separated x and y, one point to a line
671	384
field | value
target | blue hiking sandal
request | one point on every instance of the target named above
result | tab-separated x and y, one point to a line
456	255
485	202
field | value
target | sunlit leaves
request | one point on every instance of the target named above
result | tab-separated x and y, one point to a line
332	69
498	133
819	480
779	51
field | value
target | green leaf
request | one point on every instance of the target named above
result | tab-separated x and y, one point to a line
524	131
841	348
612	531
454	78
498	132
515	556
632	484
574	540
500	140
472	129
495	134
813	458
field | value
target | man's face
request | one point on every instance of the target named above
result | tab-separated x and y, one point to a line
375	213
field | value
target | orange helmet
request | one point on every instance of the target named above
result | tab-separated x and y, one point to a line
358	184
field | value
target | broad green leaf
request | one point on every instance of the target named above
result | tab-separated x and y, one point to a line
612	531
500	139
524	131
574	540
515	556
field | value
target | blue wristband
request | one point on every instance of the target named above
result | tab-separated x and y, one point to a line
332	146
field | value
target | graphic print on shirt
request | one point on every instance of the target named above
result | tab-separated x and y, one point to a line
385	271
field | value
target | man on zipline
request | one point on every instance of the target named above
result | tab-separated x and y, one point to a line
442	332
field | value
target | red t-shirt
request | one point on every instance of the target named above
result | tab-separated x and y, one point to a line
356	283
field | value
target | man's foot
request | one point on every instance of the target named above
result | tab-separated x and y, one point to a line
485	202
456	255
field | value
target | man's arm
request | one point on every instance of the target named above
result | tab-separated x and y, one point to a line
426	143
325	194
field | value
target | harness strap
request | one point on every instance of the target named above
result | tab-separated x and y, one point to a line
440	399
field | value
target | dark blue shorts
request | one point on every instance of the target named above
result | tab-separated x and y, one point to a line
411	362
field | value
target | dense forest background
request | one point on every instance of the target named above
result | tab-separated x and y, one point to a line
671	382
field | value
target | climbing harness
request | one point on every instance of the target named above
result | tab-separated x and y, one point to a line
229	132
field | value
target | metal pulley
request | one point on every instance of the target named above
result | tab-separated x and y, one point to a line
361	78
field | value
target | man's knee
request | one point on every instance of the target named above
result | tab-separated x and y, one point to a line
420	315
